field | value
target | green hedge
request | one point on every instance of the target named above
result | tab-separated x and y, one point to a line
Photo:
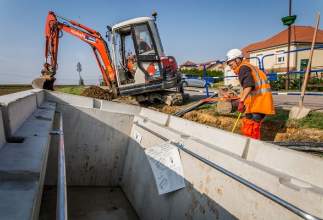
197	72
314	84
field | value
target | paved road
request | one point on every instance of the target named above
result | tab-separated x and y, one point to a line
285	101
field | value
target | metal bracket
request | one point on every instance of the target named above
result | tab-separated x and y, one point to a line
55	132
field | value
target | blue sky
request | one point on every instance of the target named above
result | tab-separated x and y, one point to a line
190	30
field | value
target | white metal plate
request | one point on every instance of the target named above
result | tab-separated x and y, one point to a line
167	168
137	136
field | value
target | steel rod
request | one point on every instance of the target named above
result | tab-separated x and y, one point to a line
61	209
250	185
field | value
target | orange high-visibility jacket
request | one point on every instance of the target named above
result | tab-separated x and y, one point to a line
260	100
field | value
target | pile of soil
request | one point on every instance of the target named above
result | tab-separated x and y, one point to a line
97	92
127	100
204	117
300	135
165	109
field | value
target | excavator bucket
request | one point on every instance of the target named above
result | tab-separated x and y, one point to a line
38	83
43	83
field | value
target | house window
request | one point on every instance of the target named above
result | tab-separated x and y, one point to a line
303	64
280	58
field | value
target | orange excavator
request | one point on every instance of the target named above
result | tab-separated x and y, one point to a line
136	65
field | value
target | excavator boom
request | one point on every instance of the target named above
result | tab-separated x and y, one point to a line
53	30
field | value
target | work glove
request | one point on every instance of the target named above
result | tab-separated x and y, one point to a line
241	107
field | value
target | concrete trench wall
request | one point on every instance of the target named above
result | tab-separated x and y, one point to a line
209	193
23	160
95	142
101	150
18	107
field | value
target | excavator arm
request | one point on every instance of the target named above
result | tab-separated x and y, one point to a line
53	29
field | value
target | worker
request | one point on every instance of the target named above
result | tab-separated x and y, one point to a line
131	66
143	46
256	99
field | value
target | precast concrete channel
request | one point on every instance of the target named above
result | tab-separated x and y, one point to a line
84	158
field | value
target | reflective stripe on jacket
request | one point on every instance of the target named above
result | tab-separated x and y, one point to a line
260	100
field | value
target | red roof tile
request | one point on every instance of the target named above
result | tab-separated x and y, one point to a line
188	63
299	34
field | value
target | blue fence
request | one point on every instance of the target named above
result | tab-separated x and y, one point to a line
272	76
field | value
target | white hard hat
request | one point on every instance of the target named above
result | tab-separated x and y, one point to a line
233	54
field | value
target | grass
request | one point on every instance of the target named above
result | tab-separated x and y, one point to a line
218	84
281	115
7	89
313	120
75	90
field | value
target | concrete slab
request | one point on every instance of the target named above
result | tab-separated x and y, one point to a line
68	99
26	157
120	107
23	165
29	156
105	203
16	109
40	96
155	116
2	132
5	99
297	164
18	199
139	185
39	123
95	144
231	142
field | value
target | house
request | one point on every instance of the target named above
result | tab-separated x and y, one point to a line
216	66
301	37
213	65
188	65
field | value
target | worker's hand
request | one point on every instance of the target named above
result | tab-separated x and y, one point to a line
241	107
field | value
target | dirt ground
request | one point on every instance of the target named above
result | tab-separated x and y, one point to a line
273	129
276	128
7	89
97	92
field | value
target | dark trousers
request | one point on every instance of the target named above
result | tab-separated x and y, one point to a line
258	117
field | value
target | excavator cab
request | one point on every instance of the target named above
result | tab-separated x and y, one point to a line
139	59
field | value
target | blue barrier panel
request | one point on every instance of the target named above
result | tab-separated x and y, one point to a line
209	79
272	76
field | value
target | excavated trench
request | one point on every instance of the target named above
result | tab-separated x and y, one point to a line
111	175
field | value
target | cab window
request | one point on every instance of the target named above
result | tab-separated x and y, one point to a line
143	40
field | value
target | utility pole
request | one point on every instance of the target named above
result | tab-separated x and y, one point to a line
288	20
79	70
288	47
